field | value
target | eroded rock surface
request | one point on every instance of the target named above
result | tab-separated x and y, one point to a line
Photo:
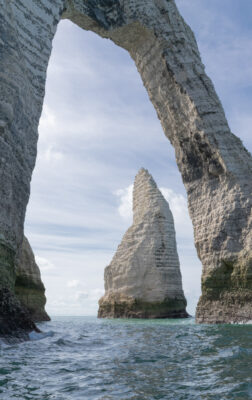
215	166
22	304
15	320
29	287
144	279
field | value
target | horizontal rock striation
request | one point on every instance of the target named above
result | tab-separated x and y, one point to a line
215	166
22	304
26	32
144	279
29	287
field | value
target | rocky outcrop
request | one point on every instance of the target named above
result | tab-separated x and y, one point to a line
29	287
15	320
215	166
144	279
22	304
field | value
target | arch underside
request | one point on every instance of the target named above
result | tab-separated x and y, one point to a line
215	167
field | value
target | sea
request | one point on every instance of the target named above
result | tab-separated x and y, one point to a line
103	359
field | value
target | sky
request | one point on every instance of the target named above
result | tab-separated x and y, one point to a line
97	129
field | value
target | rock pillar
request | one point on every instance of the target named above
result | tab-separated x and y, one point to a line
144	279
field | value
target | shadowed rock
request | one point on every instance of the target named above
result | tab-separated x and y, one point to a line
29	287
22	305
144	279
15	319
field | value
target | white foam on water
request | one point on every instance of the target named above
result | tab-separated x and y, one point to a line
3	344
40	335
241	323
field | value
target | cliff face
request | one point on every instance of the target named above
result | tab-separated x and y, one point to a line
22	303
29	287
144	279
15	319
215	167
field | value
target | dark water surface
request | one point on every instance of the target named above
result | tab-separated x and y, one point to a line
86	358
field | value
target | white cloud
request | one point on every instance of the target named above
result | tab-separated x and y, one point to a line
81	296
44	264
53	155
92	295
47	268
125	206
74	283
97	293
76	302
47	119
179	209
176	201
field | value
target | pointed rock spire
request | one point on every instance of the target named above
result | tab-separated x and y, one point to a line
143	279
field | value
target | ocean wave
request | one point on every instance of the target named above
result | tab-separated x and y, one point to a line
40	335
87	358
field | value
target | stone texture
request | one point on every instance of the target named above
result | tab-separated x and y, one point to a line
215	166
144	279
15	320
29	287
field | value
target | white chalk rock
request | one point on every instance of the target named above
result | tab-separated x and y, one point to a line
144	279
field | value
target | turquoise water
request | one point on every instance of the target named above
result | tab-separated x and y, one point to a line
86	358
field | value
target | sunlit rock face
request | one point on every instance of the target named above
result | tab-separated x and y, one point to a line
215	166
144	279
29	287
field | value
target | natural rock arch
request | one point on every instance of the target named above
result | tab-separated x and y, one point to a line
215	166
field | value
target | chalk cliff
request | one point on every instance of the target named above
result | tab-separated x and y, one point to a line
144	279
29	287
215	166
